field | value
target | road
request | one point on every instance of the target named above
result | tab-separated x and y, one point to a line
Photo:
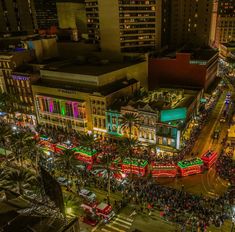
208	183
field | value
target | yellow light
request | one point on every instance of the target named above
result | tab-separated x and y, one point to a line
69	210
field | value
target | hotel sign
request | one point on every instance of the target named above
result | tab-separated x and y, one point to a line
67	91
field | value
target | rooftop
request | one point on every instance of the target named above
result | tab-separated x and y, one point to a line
104	90
196	54
85	67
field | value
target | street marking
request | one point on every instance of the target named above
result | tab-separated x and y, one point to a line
120	220
125	226
127	219
114	228
103	229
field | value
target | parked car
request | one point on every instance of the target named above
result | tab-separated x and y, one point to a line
63	181
87	194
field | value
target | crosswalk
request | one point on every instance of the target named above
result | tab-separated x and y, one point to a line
118	224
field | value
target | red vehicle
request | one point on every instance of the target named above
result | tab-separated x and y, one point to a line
134	166
90	220
163	170
105	211
209	158
190	167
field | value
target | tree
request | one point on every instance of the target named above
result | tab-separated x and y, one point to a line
129	144
19	140
87	140
67	161
8	103
5	134
34	152
130	121
18	180
71	205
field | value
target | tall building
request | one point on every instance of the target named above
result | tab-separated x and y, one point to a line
132	26
72	14
190	22
46	13
16	16
225	22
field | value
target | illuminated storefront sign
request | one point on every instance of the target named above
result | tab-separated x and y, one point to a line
173	114
20	78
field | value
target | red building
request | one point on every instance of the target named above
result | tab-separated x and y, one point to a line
195	69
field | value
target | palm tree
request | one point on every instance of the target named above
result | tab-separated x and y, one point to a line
87	140
4	135
129	144
19	141
34	152
18	179
71	205
130	121
8	103
67	161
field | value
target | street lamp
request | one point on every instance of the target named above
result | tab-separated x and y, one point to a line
233	217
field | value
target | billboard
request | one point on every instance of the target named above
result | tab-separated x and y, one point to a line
173	114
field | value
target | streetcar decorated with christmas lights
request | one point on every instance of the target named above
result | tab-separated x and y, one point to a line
163	170
134	166
209	158
190	167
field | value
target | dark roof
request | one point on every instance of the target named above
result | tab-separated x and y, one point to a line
88	68
104	90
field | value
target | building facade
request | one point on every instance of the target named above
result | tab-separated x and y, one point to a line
192	69
133	27
163	117
77	97
9	61
225	31
191	22
46	13
17	16
72	14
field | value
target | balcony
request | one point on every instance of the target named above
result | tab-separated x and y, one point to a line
62	116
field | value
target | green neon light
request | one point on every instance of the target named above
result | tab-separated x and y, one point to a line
190	163
135	162
63	110
84	150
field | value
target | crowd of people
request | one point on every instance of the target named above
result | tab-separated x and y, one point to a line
225	166
177	205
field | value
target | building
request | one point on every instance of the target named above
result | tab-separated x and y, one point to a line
163	114
76	96
9	61
186	68
191	22
72	14
227	53
225	31
19	84
17	16
227	50
133	27
43	47
46	14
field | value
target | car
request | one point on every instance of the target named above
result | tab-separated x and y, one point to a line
222	119
87	195
90	220
63	181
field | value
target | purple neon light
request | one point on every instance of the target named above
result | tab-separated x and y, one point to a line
51	106
75	109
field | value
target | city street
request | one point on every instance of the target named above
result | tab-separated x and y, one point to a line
207	183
